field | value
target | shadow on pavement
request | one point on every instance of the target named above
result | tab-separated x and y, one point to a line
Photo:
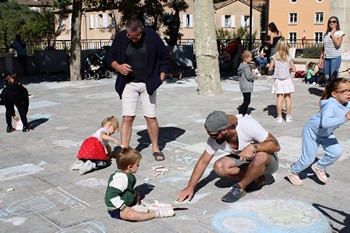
144	189
38	122
346	223
271	110
315	91
166	134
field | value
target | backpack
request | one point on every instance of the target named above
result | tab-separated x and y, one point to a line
300	74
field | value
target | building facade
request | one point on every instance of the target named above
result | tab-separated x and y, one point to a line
300	18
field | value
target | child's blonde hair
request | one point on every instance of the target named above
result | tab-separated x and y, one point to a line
127	157
282	50
246	54
112	120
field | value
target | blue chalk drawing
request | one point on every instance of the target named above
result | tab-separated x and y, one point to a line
271	215
42	104
40	116
20	170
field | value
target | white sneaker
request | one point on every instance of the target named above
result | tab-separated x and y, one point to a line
87	166
76	165
289	119
165	213
278	120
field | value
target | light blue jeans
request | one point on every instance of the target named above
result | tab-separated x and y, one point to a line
331	67
310	144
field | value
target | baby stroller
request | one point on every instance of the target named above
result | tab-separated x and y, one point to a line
95	66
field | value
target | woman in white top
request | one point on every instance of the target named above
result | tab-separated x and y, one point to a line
331	51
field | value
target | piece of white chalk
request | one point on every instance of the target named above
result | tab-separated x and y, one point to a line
181	168
10	189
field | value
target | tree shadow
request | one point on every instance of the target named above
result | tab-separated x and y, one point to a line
315	91
37	122
346	222
166	134
144	189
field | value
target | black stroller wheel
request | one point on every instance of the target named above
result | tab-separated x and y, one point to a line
87	76
96	76
108	74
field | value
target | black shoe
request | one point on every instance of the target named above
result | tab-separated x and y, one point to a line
10	129
102	164
234	194
27	128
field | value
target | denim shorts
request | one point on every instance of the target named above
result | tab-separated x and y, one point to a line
132	93
271	168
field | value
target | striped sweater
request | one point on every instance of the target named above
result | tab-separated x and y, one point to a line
120	191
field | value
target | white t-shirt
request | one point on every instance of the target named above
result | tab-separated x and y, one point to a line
97	135
248	130
330	50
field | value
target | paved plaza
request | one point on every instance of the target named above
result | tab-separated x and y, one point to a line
38	193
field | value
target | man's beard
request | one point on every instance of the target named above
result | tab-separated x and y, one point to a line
220	140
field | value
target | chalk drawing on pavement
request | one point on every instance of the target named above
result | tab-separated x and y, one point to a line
40	116
104	95
66	143
20	170
88	227
23	207
270	215
42	104
66	198
93	183
14	221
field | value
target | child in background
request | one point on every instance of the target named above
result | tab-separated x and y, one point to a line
91	154
335	111
15	94
246	80
282	80
262	58
311	75
121	199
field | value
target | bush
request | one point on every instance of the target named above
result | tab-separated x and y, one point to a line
312	52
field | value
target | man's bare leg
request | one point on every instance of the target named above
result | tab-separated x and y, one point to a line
153	131
126	129
255	169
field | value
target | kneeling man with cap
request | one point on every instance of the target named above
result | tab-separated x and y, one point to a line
252	154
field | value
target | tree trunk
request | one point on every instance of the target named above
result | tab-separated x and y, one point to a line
208	74
75	50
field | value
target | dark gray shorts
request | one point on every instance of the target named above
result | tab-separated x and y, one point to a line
271	168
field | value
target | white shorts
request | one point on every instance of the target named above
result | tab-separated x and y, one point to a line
132	93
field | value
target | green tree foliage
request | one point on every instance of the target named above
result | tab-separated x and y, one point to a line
171	22
13	17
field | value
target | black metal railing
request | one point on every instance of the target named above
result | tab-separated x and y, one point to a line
33	46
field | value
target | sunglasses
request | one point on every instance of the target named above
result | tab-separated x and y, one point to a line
134	37
345	91
332	21
214	135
